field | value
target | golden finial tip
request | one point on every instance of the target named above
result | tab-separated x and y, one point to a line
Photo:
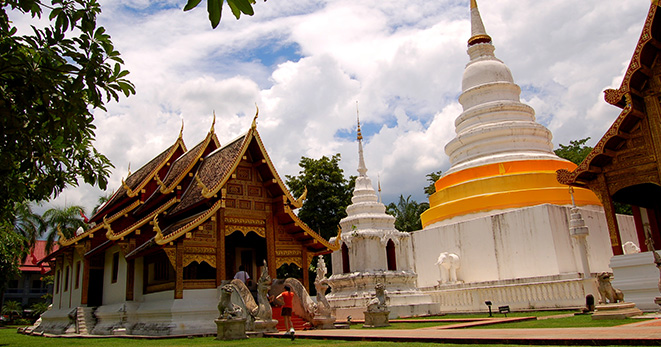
254	120
213	123
181	131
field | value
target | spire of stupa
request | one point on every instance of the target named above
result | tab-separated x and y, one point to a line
478	33
362	169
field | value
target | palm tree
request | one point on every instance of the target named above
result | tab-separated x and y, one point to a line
66	219
12	309
102	200
26	223
407	213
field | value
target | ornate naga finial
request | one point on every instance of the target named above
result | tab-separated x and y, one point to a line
254	120
338	238
129	191
107	226
213	123
205	191
378	180
163	188
181	131
157	229
299	202
61	237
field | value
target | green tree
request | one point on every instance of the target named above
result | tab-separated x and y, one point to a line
407	213
215	8
13	309
65	219
432	178
575	152
27	223
329	193
100	202
49	83
13	249
38	308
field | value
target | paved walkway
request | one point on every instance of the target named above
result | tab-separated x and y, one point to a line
646	333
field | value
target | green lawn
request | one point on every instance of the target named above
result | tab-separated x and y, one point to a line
9	337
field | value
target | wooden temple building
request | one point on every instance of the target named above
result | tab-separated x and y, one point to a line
624	165
156	253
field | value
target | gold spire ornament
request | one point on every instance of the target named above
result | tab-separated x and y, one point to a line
181	131
254	120
213	123
478	33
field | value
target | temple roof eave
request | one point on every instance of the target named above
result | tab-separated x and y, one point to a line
628	97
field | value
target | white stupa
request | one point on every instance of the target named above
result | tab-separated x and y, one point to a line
499	209
373	251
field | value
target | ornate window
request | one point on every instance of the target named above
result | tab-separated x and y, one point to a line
391	256
345	259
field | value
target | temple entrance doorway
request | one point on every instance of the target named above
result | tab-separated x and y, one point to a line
646	209
95	282
248	250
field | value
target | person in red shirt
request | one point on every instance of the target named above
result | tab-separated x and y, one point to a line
288	297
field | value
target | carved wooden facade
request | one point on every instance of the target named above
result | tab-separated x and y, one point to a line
624	165
185	215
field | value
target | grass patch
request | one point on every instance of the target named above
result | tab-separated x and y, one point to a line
581	321
9	337
498	315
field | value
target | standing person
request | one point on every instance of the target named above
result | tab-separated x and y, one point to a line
242	275
288	297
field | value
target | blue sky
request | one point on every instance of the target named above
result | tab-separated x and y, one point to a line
306	63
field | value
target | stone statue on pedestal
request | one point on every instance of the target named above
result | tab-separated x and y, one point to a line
234	316
377	309
263	314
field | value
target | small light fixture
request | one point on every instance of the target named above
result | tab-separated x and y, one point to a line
488	303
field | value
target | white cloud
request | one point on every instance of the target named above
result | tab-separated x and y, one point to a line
402	60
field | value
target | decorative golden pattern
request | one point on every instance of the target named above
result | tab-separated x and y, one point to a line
161	240
208	258
287	252
171	252
141	222
245	204
244	173
288	260
234	189
245	229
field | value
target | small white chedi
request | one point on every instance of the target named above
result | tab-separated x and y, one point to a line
372	251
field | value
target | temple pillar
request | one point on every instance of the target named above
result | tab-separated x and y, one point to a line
640	232
130	279
86	280
270	245
179	272
604	195
219	229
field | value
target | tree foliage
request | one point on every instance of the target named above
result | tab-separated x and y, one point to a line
13	249
432	178
215	8
329	193
575	152
50	81
65	219
407	213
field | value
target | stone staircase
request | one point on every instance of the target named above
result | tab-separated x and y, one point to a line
298	322
85	320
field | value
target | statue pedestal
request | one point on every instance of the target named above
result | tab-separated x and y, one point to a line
618	310
231	329
323	322
376	319
657	300
266	326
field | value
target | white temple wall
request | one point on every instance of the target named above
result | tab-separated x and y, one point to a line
518	243
114	292
404	254
368	255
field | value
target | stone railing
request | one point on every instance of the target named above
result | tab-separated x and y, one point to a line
520	294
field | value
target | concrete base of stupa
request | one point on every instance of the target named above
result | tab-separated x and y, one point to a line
351	292
522	255
637	277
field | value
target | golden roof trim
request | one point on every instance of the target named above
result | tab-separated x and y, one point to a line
333	247
161	240
116	236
